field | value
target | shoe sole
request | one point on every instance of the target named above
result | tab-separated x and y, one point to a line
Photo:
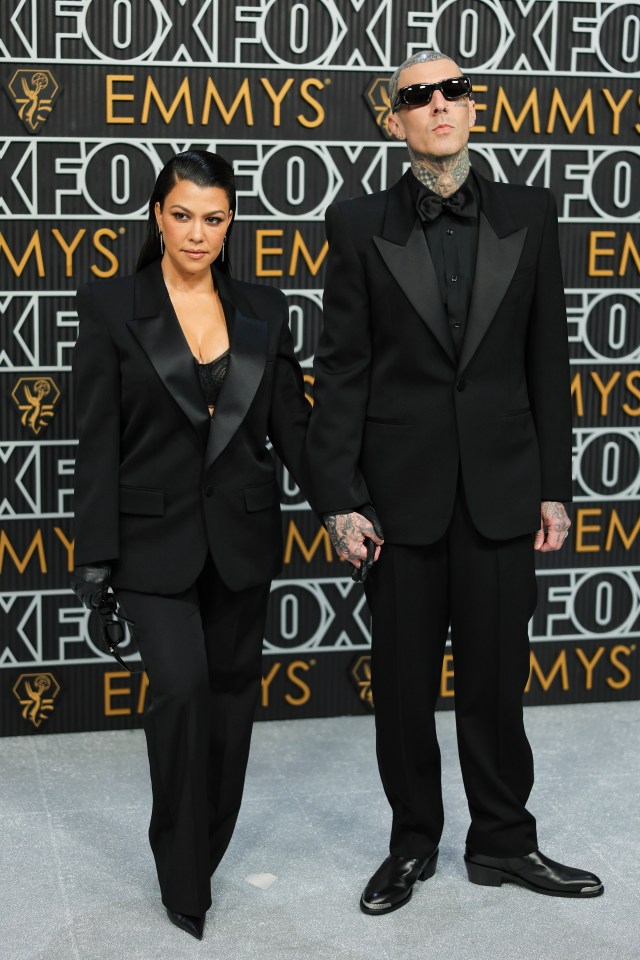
426	874
490	877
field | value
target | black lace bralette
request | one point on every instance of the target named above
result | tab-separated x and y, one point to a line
211	376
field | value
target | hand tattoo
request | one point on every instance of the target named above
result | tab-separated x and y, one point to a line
554	526
348	532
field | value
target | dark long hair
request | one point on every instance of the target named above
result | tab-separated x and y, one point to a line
205	170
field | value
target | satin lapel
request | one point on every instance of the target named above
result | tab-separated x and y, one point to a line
248	345
496	264
409	261
157	329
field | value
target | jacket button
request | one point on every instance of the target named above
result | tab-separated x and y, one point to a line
461	384
208	490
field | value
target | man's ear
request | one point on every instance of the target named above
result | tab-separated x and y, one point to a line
396	128
472	113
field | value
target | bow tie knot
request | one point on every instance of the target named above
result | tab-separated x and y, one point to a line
461	203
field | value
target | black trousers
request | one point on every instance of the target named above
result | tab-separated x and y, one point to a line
203	654
486	591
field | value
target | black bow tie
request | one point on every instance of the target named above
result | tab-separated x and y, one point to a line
462	203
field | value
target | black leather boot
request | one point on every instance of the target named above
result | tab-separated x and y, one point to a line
392	884
535	872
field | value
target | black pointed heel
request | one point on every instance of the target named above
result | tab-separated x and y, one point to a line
192	925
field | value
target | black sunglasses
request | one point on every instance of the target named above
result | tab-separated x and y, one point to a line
419	94
111	624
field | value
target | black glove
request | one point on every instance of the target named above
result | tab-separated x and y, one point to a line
367	511
90	584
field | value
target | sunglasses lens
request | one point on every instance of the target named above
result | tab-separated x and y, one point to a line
417	94
456	87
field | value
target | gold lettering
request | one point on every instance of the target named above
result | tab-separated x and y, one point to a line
559	666
152	93
605	389
531	104
616	651
266	683
299	246
112	97
262	252
110	691
243	96
589	664
68	545
68	248
294	536
310	379
583	528
616	108
628	249
576	390
306	690
108	254
319	109
558	106
276	98
446	677
36	546
479	88
595	251
32	247
632	376
615	526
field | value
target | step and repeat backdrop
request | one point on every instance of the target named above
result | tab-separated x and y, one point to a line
98	94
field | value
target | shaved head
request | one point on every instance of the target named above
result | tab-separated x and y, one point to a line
424	56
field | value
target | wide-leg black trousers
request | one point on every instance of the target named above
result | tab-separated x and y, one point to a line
486	590
203	653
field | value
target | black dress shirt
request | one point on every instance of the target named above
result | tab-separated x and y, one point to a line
452	242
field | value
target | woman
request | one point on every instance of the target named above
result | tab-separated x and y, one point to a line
180	375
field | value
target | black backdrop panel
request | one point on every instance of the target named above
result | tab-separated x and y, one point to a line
99	94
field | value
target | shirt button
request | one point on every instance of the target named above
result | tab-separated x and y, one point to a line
460	385
456	325
453	279
449	233
208	490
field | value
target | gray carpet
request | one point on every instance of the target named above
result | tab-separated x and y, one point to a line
77	881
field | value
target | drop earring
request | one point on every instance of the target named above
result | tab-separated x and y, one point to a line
224	240
161	243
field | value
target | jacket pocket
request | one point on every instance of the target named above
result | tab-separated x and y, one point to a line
261	496
516	413
387	420
145	501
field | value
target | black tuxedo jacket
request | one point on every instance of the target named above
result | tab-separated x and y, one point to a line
158	482
397	414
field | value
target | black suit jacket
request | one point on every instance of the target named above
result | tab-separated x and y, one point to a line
397	415
157	481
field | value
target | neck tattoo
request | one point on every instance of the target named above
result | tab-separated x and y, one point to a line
443	175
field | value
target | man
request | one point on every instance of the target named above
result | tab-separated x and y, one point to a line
442	408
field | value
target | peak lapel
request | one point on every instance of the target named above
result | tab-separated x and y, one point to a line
248	357
496	263
405	252
157	329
